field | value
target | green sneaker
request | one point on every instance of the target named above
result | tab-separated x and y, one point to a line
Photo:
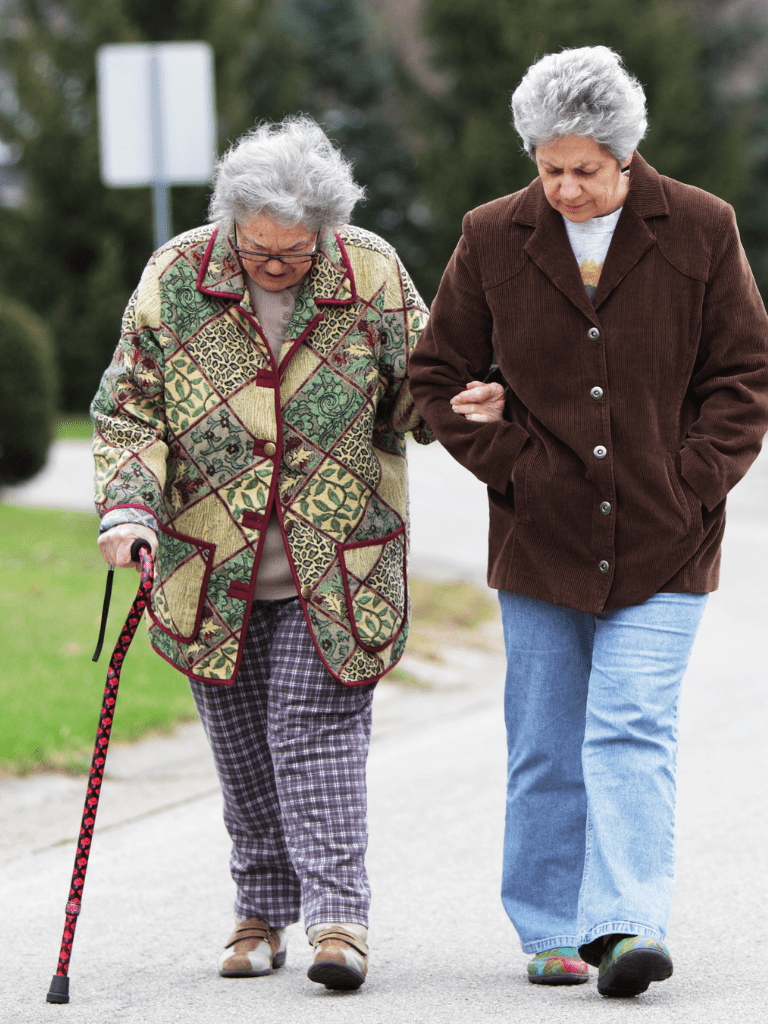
630	963
559	966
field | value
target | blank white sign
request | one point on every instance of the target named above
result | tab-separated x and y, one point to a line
157	117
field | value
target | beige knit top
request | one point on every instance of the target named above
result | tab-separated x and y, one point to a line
274	310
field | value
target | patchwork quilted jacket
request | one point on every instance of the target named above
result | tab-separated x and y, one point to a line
197	424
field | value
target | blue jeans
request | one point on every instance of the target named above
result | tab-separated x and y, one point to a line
591	707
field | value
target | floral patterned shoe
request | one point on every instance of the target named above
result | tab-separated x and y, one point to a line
559	966
630	963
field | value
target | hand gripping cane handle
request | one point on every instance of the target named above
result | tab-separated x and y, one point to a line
136	548
59	990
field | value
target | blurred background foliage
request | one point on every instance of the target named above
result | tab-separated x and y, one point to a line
415	91
28	391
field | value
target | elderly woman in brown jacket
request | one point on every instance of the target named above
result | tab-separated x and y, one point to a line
625	320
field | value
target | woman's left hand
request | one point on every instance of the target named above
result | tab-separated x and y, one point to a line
483	403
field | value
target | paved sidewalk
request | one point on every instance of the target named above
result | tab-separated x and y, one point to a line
161	771
66	480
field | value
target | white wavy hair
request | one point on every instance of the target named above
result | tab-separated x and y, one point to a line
290	172
585	91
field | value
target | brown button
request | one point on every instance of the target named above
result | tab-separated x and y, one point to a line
269	448
306	591
286	316
289	526
285	300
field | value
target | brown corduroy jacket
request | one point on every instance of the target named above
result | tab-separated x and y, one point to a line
630	417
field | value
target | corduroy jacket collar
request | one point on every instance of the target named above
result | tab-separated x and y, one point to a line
646	197
550	249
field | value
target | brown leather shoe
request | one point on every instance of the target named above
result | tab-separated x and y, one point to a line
253	949
341	959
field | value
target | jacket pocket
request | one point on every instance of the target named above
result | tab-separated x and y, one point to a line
182	571
375	584
515	497
686	497
521	486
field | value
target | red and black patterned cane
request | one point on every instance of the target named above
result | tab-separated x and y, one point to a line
59	990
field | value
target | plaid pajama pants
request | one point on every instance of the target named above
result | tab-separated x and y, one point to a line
290	746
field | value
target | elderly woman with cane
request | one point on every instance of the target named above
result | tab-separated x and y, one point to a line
253	421
625	320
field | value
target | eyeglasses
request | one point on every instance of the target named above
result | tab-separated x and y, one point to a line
286	258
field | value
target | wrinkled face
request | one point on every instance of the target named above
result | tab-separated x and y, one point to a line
260	235
581	179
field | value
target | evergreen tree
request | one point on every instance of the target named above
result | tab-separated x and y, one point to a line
753	212
27	391
323	57
731	45
76	252
486	46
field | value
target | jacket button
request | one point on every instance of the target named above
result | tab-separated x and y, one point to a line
605	508
596	393
593	334
600	452
289	524
269	448
306	591
604	567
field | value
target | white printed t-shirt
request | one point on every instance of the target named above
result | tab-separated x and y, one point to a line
590	241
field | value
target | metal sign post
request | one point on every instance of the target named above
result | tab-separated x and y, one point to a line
161	193
157	122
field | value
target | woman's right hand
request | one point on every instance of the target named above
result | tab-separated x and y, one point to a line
115	544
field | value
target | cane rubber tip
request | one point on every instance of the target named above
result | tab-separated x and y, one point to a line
59	990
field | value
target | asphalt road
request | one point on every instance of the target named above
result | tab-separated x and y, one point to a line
157	899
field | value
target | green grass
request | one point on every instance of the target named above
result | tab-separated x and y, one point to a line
51	592
459	606
73	427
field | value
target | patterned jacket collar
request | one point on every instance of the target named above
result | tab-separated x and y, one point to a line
331	280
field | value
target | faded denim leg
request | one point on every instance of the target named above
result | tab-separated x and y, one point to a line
629	759
591	707
549	651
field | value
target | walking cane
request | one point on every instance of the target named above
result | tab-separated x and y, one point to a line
59	990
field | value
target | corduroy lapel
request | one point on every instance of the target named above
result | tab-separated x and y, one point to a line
551	251
549	247
632	237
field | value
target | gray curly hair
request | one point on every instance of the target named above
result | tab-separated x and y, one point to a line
585	91
290	172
